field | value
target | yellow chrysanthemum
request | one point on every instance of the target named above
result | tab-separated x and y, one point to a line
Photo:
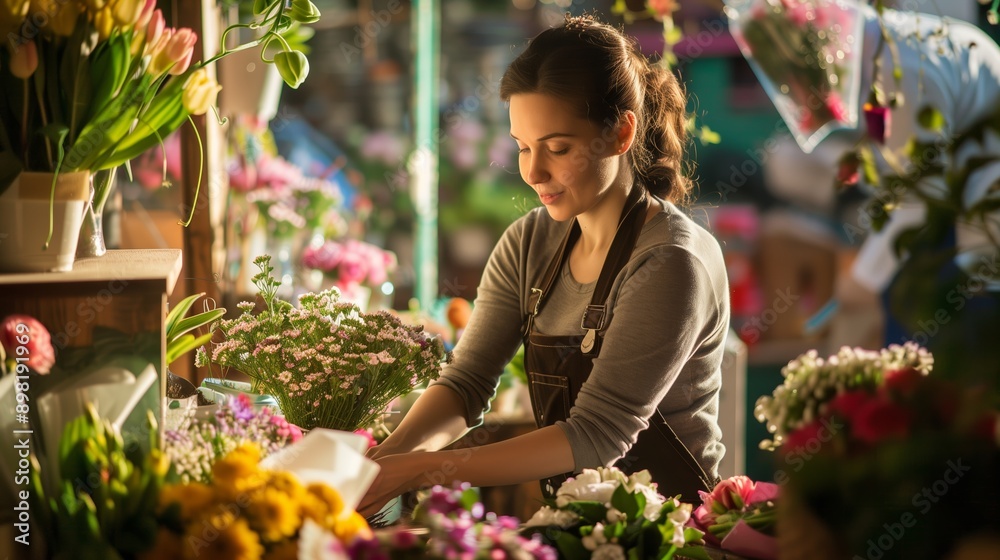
288	550
286	483
273	515
193	497
352	526
224	538
322	504
237	472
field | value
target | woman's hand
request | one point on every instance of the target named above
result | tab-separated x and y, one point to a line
398	474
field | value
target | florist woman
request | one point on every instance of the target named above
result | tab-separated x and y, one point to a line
635	383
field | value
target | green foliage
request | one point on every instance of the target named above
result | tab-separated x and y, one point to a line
104	502
177	328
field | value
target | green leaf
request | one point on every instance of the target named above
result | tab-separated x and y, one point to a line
195	321
869	168
178	312
468	499
626	502
570	547
590	511
931	119
184	345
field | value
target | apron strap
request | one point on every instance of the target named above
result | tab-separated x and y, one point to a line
537	295
629	228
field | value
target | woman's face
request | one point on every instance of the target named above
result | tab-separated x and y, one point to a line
569	161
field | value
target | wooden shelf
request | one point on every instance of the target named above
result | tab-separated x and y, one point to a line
153	266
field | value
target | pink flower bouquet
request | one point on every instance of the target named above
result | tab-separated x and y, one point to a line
739	516
351	262
807	56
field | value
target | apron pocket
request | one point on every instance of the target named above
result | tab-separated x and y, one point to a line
550	397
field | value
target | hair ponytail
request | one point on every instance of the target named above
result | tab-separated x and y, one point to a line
658	154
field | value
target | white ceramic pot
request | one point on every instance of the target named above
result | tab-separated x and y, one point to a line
24	222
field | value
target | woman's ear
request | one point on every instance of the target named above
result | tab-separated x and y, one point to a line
626	131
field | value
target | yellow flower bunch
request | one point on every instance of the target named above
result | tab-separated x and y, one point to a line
247	513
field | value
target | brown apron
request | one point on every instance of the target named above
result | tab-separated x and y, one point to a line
557	366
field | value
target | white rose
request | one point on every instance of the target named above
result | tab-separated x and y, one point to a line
608	552
587	486
546	517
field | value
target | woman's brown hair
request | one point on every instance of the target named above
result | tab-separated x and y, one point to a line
601	72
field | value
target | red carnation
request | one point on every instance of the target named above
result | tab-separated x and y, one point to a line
878	420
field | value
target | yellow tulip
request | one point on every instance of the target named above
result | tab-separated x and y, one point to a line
126	12
200	92
24	60
94	6
56	16
104	22
12	14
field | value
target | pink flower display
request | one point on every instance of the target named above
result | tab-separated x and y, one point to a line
351	262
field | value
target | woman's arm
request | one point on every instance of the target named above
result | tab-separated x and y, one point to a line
539	454
435	421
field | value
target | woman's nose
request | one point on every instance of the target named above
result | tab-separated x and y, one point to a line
536	172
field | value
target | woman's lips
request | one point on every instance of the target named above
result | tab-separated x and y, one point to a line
549	198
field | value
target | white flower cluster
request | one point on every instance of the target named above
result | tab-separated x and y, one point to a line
811	382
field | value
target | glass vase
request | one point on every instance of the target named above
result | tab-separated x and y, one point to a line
91	243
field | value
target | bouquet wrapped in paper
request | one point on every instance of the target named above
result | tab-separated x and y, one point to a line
807	56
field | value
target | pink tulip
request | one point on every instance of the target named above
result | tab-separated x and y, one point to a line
146	15
24	60
26	341
181	49
154	29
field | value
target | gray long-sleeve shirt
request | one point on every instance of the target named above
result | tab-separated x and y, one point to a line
663	340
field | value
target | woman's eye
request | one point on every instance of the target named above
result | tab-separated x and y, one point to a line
523	151
559	152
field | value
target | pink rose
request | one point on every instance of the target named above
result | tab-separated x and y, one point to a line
26	341
730	494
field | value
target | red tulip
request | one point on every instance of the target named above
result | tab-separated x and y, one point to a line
879	420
